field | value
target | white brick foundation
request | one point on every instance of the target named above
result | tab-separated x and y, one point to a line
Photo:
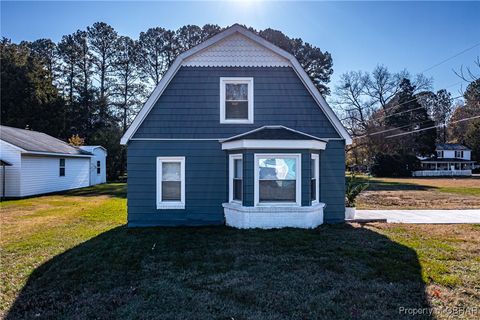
271	217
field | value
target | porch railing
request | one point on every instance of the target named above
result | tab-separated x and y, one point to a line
441	173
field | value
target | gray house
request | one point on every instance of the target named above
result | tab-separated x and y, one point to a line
236	133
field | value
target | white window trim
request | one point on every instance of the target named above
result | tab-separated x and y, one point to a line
231	173
170	204
317	175
236	80
298	179
273	144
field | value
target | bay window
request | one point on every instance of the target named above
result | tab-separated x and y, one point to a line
170	182
277	179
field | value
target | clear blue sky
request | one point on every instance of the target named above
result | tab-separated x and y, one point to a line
359	35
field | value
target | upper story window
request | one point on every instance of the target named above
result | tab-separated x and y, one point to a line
62	168
439	154
458	154
236	100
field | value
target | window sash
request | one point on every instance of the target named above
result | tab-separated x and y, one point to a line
228	113
61	171
235	177
315	178
170	184
98	167
278	191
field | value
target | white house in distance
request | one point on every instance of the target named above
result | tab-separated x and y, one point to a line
450	159
37	163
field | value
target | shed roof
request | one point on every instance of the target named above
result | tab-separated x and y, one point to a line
34	141
451	146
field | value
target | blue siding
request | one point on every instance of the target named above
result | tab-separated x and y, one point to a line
190	105
332	180
206	185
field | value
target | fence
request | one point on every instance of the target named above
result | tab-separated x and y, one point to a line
441	173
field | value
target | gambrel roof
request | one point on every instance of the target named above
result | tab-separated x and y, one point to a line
212	53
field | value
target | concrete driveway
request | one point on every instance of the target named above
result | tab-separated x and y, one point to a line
421	216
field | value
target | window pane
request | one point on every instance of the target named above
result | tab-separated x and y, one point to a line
238	168
312	168
62	162
313	189
237	189
277	191
277	169
236	91
171	171
236	109
171	190
62	172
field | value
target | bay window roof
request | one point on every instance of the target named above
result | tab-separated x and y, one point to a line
273	137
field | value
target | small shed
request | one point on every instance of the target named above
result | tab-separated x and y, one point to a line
97	164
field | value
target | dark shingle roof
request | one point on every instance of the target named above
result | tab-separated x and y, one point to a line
273	133
34	141
450	146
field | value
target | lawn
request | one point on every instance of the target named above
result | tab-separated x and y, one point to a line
70	256
421	193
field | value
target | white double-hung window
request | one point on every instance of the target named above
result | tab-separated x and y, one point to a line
236	100
236	178
314	178
277	179
171	183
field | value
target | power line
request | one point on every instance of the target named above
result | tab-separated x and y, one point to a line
423	129
449	86
405	111
450	58
391	129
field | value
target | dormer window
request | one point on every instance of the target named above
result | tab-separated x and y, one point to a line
459	154
236	100
439	154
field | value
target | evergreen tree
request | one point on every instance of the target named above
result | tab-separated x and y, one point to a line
410	117
102	40
28	96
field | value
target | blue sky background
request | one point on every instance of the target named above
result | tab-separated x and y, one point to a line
359	35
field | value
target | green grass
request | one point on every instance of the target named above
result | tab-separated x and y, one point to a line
70	256
461	190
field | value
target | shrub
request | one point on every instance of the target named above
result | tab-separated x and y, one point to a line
353	189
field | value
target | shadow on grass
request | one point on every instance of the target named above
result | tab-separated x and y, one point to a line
375	184
203	273
118	190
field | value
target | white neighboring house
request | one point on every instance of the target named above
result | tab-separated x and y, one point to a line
39	163
450	159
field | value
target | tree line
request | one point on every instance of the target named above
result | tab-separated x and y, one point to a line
395	117
87	87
